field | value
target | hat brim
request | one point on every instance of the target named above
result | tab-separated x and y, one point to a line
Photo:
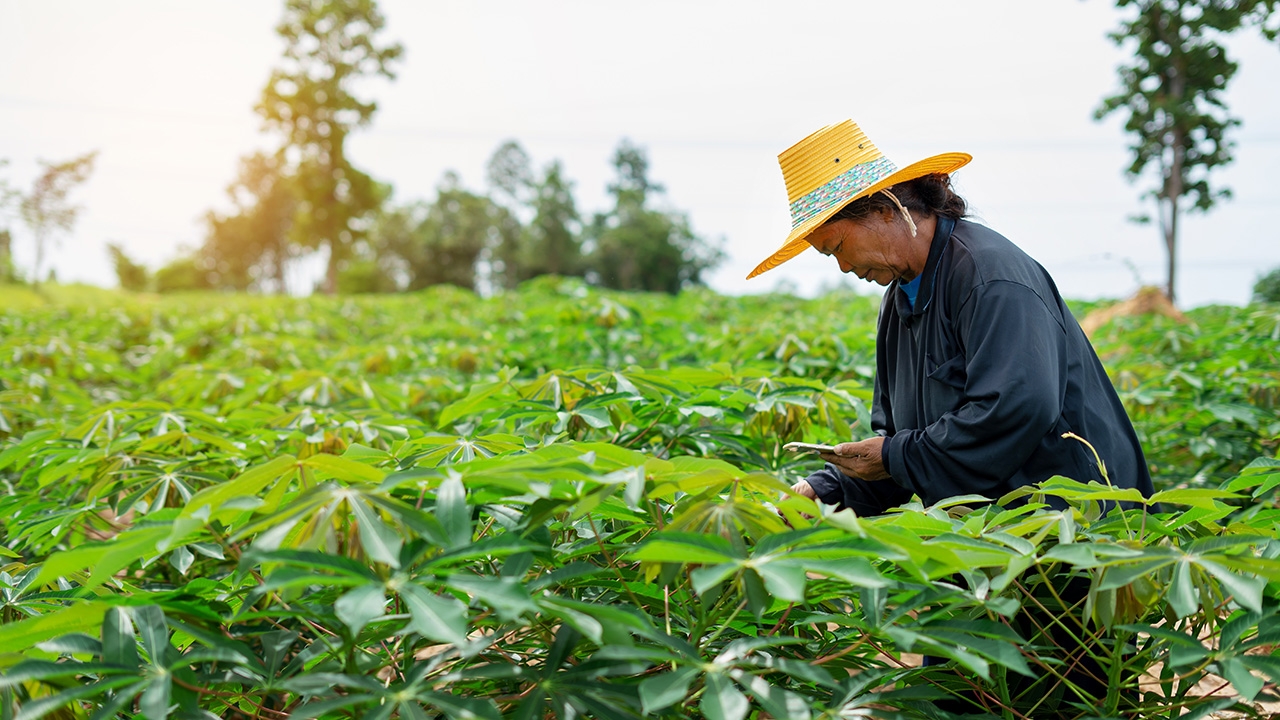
945	163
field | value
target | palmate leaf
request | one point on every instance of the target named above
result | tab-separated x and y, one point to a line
343	469
736	515
436	450
662	691
352	572
1263	475
379	541
360	605
1182	593
506	595
104	559
48	671
778	702
1203	498
435	617
320	708
316	516
1184	650
453	513
575	616
1247	591
455	707
481	398
722	700
209	502
126	687
154	701
72	643
680	547
1245	683
119	645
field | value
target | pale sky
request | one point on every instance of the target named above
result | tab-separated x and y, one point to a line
713	90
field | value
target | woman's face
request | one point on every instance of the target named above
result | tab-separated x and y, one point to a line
874	248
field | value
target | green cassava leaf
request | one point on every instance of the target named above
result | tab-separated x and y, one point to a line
663	691
360	605
435	617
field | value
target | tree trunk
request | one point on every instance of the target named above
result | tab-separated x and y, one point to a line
35	276
279	270
1174	186
1171	244
331	276
1175	190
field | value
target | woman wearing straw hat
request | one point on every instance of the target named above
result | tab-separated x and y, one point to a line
980	367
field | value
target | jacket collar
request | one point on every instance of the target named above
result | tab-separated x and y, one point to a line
941	236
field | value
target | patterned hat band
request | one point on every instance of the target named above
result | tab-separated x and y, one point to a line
843	187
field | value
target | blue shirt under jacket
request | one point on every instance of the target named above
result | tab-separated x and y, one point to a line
976	384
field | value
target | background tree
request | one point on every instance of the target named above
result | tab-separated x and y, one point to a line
133	276
398	242
364	273
541	231
251	246
510	174
1267	289
9	197
8	272
46	210
553	238
443	242
1172	94
636	247
310	100
454	236
511	184
189	271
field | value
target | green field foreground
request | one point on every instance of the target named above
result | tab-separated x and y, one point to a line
564	502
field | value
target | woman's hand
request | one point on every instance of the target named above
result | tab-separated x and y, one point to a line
804	488
860	459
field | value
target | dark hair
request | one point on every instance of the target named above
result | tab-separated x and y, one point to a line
928	195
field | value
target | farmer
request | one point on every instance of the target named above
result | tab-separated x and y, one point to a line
980	367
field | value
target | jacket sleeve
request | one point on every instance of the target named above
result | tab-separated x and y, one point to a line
1015	360
826	484
865	498
833	487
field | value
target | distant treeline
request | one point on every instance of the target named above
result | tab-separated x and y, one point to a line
526	223
308	196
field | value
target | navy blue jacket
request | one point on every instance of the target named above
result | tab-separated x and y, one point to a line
976	384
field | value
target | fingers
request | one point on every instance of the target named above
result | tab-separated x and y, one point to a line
841	459
804	488
849	449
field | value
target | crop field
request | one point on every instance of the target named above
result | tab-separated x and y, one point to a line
564	502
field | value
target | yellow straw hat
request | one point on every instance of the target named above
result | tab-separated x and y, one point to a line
830	169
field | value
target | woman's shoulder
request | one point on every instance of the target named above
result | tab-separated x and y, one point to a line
982	255
985	263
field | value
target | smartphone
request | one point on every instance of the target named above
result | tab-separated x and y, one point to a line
809	447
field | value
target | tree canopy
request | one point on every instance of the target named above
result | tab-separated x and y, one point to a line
47	209
330	45
250	247
638	246
1172	95
307	196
